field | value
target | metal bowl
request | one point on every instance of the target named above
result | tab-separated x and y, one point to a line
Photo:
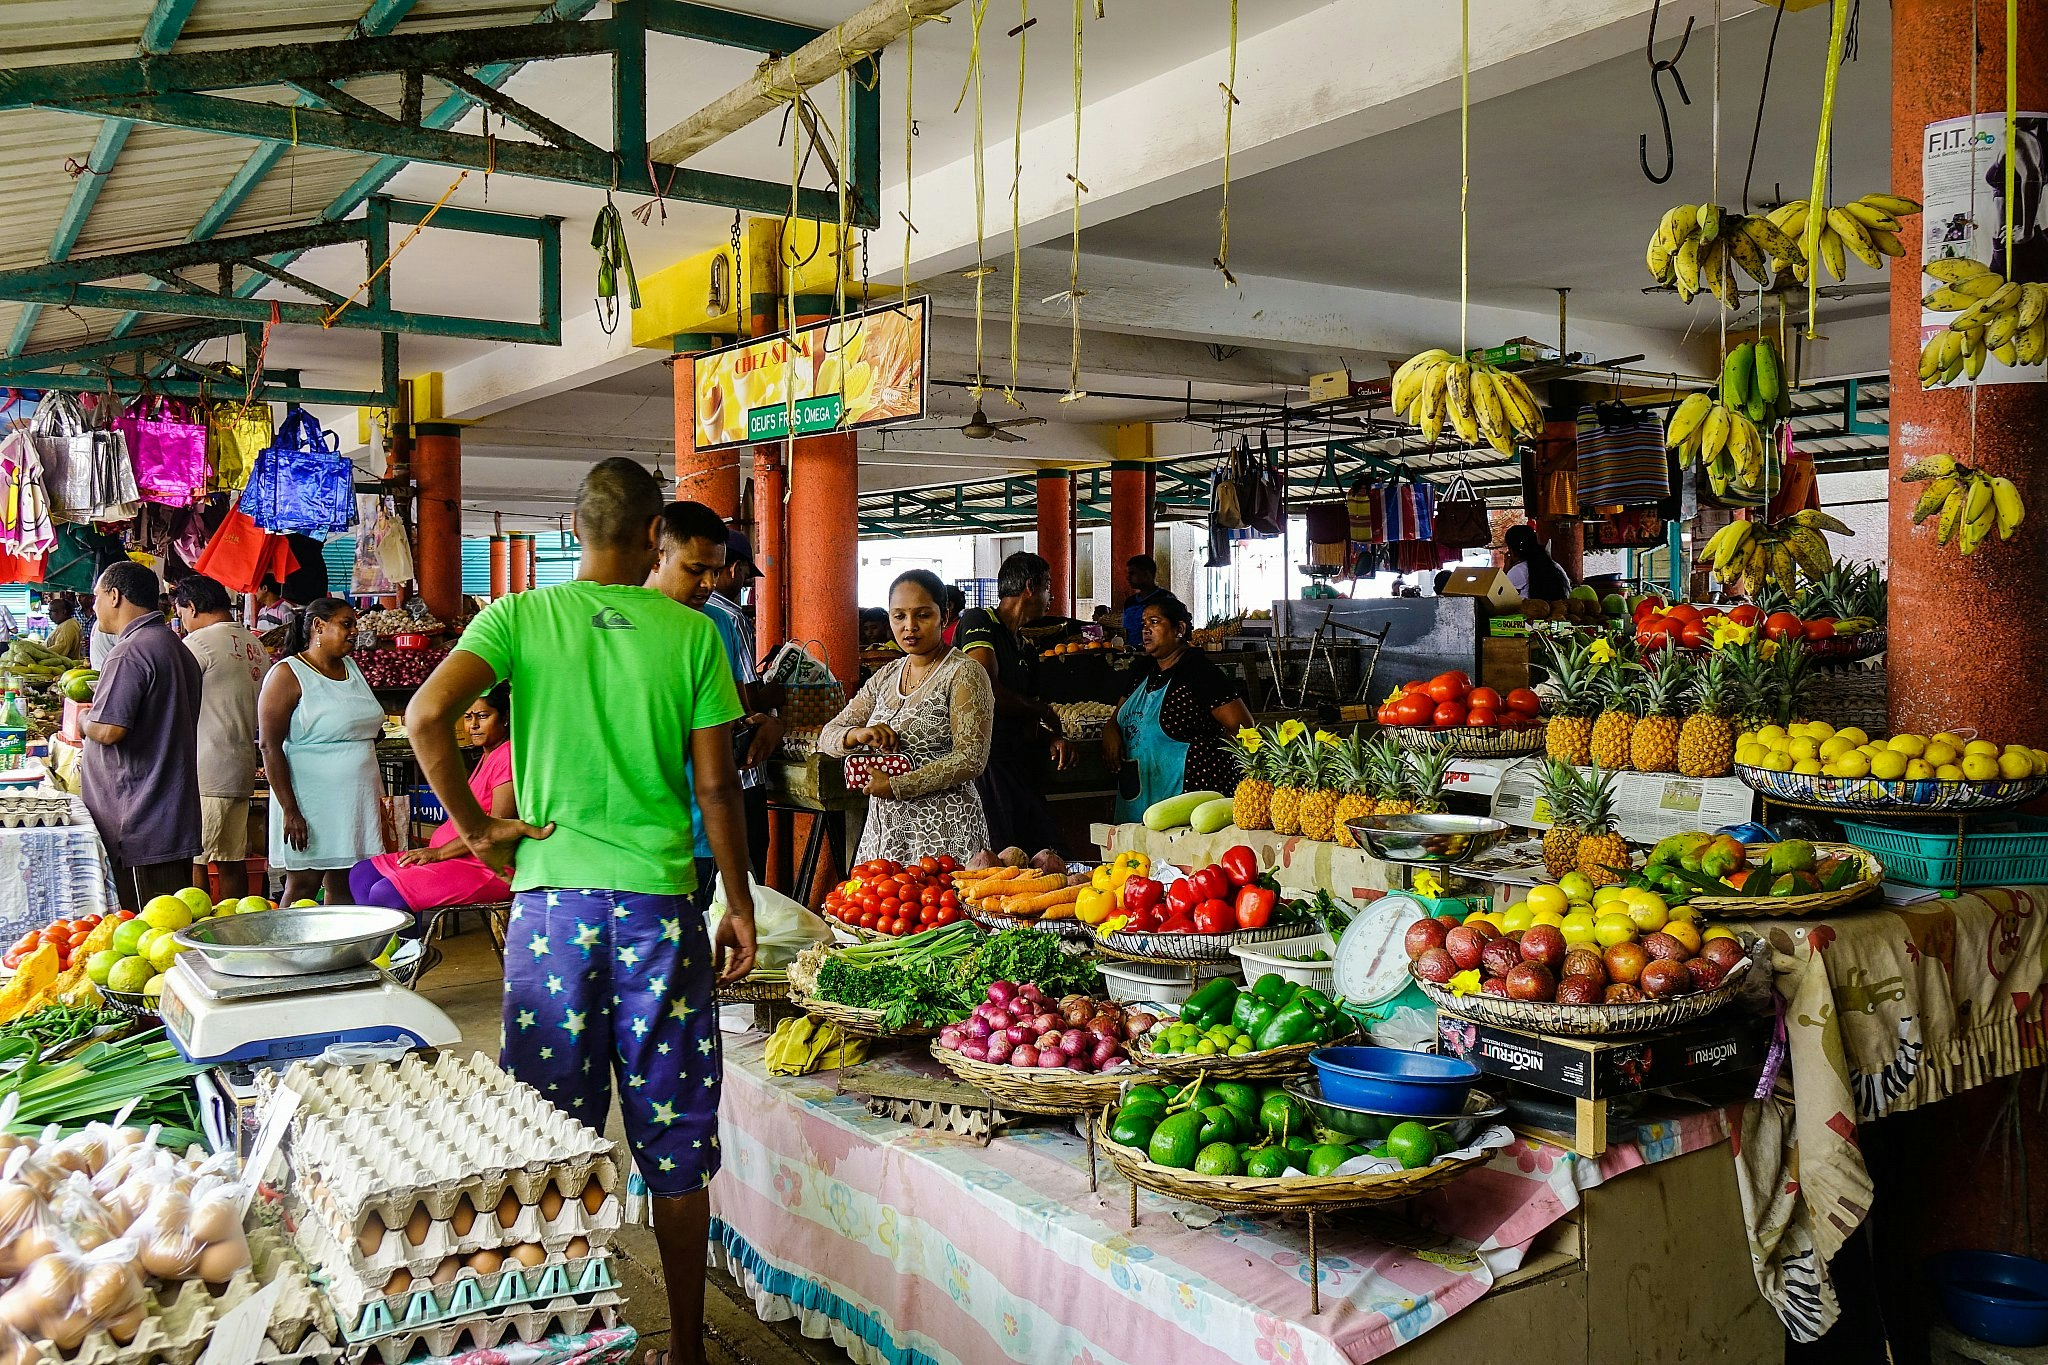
1373	1124
293	942
1434	839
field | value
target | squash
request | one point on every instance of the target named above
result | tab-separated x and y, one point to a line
1175	811
1211	816
37	973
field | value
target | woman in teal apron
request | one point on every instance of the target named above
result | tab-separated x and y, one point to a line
1171	731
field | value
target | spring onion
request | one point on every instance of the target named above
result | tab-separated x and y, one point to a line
96	1083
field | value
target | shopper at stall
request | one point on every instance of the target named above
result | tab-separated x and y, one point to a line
956	606
141	752
932	710
67	634
626	706
1026	729
1171	733
272	610
319	721
232	663
445	872
1141	572
1531	569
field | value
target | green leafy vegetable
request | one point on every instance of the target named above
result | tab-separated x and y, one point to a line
933	978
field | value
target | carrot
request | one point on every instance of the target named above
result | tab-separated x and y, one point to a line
993	874
1042	901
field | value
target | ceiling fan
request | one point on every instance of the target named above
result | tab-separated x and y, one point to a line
979	428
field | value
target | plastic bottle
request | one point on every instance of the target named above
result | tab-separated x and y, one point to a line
13	732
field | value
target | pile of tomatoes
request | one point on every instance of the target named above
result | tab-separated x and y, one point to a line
64	935
1450	701
897	898
1686	626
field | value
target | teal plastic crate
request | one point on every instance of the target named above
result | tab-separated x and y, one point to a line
1988	859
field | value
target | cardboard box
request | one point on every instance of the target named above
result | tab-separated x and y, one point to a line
1512	353
74	719
1503	664
1332	384
1508	627
1487	582
1600	1068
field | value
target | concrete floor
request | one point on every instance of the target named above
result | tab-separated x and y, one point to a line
467	984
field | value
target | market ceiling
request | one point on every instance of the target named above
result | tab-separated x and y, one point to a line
1343	204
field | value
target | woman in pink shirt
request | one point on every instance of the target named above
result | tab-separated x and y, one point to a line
445	872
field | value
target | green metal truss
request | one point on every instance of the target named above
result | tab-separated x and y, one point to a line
176	90
129	365
212	292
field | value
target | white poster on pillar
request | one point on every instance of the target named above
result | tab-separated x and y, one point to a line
1962	186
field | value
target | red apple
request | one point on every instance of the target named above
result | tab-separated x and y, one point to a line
1531	981
1500	957
1465	944
1663	979
1435	965
1423	935
1542	943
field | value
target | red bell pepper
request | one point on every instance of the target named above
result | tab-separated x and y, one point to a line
1214	917
1179	922
1142	895
1212	884
1254	907
1182	897
1240	864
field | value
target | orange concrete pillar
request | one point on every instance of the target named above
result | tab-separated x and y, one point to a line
824	551
1995	598
710	477
520	575
501	566
1056	535
437	473
1130	506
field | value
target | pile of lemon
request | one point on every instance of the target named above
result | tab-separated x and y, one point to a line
1818	749
1599	918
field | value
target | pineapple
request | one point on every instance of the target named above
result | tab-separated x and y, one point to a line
1792	681
1749	685
1354	770
1428	773
1395	781
1559	787
1602	853
1653	744
1324	787
1251	805
1619	693
1568	735
1288	785
1706	742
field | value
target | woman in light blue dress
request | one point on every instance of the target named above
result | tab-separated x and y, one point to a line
318	722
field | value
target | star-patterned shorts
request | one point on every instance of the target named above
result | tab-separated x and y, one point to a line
602	979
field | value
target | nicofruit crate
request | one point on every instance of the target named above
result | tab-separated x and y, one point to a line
1989	858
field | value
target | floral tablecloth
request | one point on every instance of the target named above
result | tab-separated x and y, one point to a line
913	1248
53	873
606	1346
1885	1010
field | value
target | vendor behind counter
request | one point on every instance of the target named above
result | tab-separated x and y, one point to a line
1172	732
1027	731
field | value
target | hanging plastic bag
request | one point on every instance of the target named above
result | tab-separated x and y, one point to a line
300	481
168	449
238	557
236	433
25	526
108	488
56	420
394	547
367	576
782	927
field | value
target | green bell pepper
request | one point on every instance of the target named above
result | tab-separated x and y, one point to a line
1276	988
1295	1024
1316	1003
1241	1011
1211	1004
1258	1016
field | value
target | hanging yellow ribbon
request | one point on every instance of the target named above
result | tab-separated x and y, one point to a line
1222	261
1816	214
1464	172
1016	208
982	270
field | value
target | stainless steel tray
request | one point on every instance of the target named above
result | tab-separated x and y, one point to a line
293	942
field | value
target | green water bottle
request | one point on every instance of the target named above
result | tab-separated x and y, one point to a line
13	732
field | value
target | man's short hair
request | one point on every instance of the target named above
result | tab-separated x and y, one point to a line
1019	572
136	585
1145	562
616	501
202	594
683	522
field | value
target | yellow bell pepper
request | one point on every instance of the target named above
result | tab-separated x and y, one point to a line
1094	905
1101	879
1133	864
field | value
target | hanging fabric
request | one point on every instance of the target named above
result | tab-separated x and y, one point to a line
236	433
383	556
394	546
168	448
300	481
1633	528
1219	534
25	526
1621	456
1550	472
1226	492
1263	492
1460	521
1799	490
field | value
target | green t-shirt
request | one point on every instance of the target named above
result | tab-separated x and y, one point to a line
607	684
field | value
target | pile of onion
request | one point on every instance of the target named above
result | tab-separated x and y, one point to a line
1018	1026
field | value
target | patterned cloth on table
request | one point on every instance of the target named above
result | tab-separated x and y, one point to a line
56	872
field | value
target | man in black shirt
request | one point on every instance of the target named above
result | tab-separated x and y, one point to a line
1026	729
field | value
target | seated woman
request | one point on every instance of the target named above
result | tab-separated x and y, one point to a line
445	872
931	708
1170	732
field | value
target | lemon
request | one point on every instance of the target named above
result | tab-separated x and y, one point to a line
1939	753
1772	735
2040	757
1578	930
1854	736
1919	770
1980	767
1807	767
2015	766
1835	748
1611	929
1855	763
128	938
1803	749
1516	918
154	986
166	912
1948	737
197	901
1777	761
1716	931
1820	729
1606	896
150	938
1912	746
1888	766
1981	746
1547	897
164	951
1949	772
1751	755
249	905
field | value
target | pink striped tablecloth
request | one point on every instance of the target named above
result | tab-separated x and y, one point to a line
914	1248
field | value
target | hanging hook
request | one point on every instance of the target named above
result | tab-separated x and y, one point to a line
1658	68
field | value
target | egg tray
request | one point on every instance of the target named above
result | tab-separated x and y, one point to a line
179	1318
325	1235
368	1313
564	1317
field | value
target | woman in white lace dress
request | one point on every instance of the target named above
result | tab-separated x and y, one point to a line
932	708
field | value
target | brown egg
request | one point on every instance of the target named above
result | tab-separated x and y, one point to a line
528	1254
508	1209
463	1218
576	1250
593	1197
219	1263
550	1203
487	1262
400	1281
372	1235
445	1271
124	1328
417	1226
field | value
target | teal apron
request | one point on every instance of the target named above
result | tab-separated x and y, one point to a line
1160	760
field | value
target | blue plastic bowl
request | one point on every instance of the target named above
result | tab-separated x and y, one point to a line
1388	1080
1995	1297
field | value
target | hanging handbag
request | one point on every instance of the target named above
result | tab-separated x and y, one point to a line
25	526
1359	503
1266	512
240	554
235	434
168	449
300	481
1633	528
108	488
1460	521
1226	500
57	419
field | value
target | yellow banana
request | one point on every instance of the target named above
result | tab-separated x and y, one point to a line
1832	252
1714	433
2031	344
1897	205
2007	354
1949	299
1458	400
1790	219
1687	419
1413	367
1687	262
2006	296
1777	243
1525	414
1974	356
1854	236
1658	259
1887	243
1924	467
1709	222
1870	216
2033	303
1933	497
1810	551
1980	286
2001	328
1978	503
1750	256
1930	359
2011	511
1816	520
1954	269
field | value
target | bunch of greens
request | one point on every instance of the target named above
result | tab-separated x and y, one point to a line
53	1026
97	1082
933	978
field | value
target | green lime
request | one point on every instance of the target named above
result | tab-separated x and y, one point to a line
128	937
1266	1162
100	965
1412	1145
145	945
1325	1159
1218	1158
129	975
164	951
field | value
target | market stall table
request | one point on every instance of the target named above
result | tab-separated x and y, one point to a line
53	872
915	1248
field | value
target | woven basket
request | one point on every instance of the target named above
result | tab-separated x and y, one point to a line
1927	796
1039	1090
1466	742
747	991
1795	907
1848	649
1070	929
1189	947
853	1020
1586	1021
134	1005
1273	1064
1281	1192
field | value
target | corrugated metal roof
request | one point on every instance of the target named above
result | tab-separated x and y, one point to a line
40	32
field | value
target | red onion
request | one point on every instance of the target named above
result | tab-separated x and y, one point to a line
1000	992
1023	1055
1077	1064
950	1038
1138	1022
1029	991
978	1029
1046	1019
1074	1040
1104	1050
1051	1059
1105	1031
974	1052
1049	1039
1116	1064
998	1051
999	1018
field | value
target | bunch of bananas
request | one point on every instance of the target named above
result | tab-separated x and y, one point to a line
1995	317
1698	246
1971	504
1754	551
1866	228
1753	382
1478	400
1722	438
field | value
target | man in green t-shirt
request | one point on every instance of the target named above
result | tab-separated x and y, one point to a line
625	706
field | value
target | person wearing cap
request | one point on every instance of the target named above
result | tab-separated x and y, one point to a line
723	607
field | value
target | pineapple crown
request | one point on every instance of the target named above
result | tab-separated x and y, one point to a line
1573	680
1596	801
1792	679
1559	785
1667	684
1386	768
1621	685
1713	686
1348	763
1426	772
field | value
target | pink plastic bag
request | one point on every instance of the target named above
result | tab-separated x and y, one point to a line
168	448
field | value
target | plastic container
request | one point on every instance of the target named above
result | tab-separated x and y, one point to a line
1261	958
1158	983
1995	1297
1388	1080
1990	859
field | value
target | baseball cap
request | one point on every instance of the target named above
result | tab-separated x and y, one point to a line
739	553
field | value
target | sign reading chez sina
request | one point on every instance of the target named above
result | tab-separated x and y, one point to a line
862	370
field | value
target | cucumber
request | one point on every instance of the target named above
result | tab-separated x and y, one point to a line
1174	811
1211	816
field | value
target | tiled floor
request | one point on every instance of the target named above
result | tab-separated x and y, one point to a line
466	984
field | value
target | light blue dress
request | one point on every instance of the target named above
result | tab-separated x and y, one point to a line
332	750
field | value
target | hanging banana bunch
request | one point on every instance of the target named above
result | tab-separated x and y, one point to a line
1720	437
1866	228
1753	552
1995	318
1970	504
1698	247
1479	401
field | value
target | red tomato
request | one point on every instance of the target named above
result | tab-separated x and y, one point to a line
1524	700
948	863
1447	687
899	926
1447	715
1745	614
1414	708
1654	632
1483	697
1783	625
33	939
1694	635
1647	606
1684	611
949	899
1709	613
928	863
1485	716
1822	629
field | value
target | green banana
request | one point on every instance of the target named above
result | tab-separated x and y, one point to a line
1736	373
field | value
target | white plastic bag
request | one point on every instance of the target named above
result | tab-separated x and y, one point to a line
782	927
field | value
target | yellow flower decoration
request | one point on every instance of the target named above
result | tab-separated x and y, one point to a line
1466	982
1426	884
1602	651
1726	631
1249	738
1291	730
1325	737
1769	649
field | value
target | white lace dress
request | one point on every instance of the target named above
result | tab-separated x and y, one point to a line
942	729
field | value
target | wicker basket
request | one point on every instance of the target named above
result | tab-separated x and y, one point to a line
747	991
852	1020
1587	1021
134	1005
1467	742
1039	1090
1795	907
1189	947
1927	796
1848	649
1273	1064
1281	1192
1070	929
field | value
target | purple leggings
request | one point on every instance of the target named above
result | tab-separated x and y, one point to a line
368	886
